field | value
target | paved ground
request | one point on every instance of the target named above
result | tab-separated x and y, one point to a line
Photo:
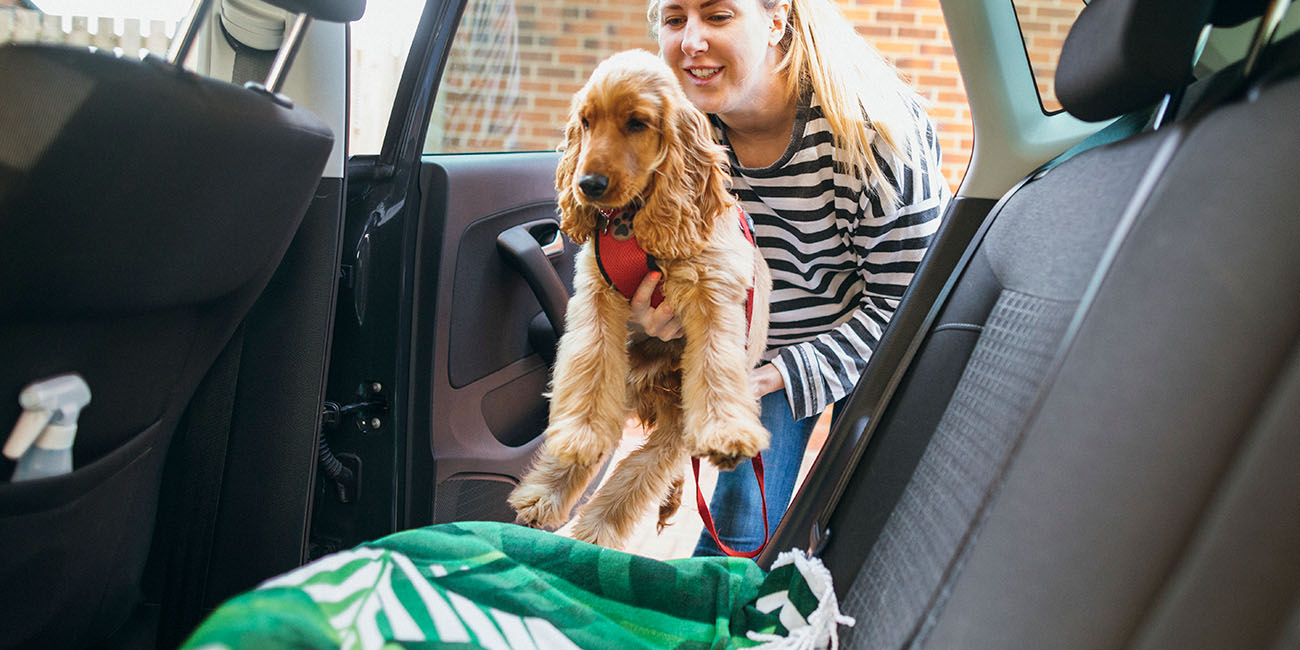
679	537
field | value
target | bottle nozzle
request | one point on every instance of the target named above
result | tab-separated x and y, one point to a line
50	411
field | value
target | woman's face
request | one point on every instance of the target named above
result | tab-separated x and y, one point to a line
724	52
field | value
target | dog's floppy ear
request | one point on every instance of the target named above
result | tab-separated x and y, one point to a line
576	220
690	186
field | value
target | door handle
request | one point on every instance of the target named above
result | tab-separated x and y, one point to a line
551	248
519	247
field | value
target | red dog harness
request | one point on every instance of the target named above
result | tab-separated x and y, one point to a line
625	264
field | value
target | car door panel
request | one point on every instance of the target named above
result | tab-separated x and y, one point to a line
487	380
449	331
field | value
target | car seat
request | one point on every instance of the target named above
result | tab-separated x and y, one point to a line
143	209
1089	447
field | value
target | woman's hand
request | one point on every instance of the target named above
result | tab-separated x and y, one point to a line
660	322
766	379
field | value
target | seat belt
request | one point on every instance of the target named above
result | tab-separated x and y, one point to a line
251	64
1123	127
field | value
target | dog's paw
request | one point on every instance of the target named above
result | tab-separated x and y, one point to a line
726	446
575	445
595	530
537	507
668	507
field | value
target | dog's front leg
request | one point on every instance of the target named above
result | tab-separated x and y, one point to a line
645	476
720	408
588	400
589	387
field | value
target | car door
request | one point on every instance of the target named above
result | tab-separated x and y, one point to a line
454	277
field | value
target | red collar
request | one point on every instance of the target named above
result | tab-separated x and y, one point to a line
625	264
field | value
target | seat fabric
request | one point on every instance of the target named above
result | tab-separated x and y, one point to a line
1154	500
994	339
1147	497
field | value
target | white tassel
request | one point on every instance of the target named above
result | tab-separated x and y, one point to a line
822	630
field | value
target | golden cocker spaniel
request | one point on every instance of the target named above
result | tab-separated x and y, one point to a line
635	145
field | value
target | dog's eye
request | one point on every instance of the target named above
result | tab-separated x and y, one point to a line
584	123
635	125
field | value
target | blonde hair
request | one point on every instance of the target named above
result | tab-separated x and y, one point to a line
861	94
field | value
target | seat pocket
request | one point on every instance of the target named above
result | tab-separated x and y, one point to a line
73	547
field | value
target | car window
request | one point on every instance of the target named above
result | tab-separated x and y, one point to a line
129	28
379	45
515	64
1043	26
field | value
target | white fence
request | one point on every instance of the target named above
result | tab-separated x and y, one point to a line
130	37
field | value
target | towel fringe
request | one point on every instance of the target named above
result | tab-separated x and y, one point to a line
822	629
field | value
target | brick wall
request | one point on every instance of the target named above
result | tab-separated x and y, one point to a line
1044	24
517	64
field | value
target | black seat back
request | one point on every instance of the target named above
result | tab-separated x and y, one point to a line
142	209
1005	499
1154	500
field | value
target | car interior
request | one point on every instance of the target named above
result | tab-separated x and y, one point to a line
1078	431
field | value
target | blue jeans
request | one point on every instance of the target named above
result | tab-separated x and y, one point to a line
736	505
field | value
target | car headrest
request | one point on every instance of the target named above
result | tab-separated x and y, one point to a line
1122	55
335	11
1228	13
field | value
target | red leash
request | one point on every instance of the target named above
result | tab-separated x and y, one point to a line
708	518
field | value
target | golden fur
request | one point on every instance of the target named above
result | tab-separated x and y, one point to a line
632	124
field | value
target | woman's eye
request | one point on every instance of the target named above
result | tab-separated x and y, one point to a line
719	18
635	125
674	21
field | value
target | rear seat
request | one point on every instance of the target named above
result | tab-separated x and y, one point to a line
1140	488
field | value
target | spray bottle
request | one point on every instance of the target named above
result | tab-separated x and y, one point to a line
41	441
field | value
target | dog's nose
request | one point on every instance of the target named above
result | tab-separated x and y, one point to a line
593	185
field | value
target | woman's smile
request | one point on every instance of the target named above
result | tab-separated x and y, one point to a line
702	74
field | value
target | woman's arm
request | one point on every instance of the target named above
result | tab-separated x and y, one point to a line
890	242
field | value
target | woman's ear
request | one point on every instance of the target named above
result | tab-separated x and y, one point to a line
780	23
678	216
576	220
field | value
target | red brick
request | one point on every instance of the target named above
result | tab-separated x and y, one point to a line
937	81
897	17
876	31
557	72
1066	15
921	33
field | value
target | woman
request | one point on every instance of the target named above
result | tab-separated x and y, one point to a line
837	164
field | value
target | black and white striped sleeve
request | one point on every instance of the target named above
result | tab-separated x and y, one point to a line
889	242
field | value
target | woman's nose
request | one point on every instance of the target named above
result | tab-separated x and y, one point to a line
694	41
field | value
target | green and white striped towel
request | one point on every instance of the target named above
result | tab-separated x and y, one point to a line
505	587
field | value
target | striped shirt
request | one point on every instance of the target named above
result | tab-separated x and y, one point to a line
840	259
